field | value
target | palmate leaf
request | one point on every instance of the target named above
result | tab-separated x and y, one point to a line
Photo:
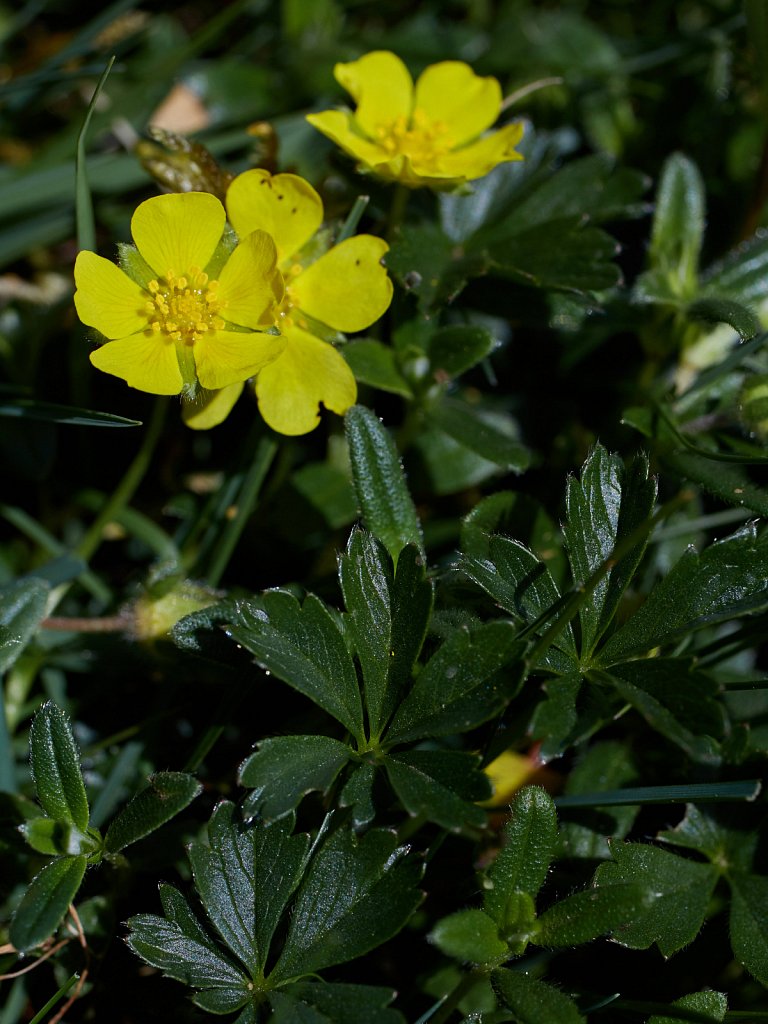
533	1001
749	923
440	785
307	1002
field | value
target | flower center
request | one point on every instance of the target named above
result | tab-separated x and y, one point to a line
421	140
184	307
286	311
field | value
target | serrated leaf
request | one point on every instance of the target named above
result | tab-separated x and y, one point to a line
425	261
522	584
728	579
721	834
707	1006
389	616
285	768
532	1001
55	763
749	923
440	785
731	483
307	1002
555	718
678	223
603	507
457	348
599	910
303	646
245	878
179	912
726	311
357	794
524	859
167	794
46	900
461	685
387	507
356	894
375	364
164	945
676	700
481	433
22	608
683	889
471	936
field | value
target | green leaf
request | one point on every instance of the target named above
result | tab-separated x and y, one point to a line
683	889
167	794
427	262
375	364
303	646
439	785
388	618
599	910
561	254
471	936
308	1002
245	877
584	834
603	507
328	489
726	311
22	608
555	719
284	769
357	794
455	349
517	580
728	579
720	834
59	838
749	923
356	894
387	507
481	432
707	1006
462	684
741	275
51	412
55	763
46	900
678	223
522	864
532	1001
676	700
730	483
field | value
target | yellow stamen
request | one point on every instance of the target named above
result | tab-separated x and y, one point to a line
419	138
184	307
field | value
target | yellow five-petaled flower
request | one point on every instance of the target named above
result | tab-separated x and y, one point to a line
427	134
178	326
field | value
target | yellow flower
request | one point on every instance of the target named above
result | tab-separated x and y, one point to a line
180	328
346	289
427	134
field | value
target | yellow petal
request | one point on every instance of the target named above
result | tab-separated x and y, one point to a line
452	94
209	408
478	158
339	125
508	773
382	87
250	285
179	231
146	361
309	372
108	299
284	205
230	357
347	288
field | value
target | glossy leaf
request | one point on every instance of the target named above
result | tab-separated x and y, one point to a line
706	1006
532	1001
471	936
55	763
307	1002
303	646
357	794
388	616
375	364
245	878
599	910
728	579
683	889
59	838
749	923
481	434
440	785
283	769
726	311
46	901
356	894
457	348
524	859
167	794
387	507
22	608
462	684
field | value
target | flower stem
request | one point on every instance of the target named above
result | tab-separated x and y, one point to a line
246	500
453	998
397	210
